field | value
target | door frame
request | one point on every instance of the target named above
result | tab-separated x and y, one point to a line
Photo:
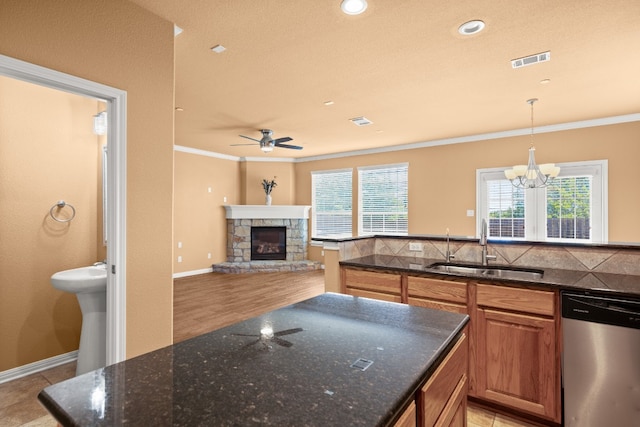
116	100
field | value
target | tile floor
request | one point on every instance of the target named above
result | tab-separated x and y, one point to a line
19	406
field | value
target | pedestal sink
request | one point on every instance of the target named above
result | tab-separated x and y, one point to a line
90	286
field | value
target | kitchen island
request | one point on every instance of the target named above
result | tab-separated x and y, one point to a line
330	360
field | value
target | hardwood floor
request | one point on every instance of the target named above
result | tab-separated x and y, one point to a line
211	301
203	303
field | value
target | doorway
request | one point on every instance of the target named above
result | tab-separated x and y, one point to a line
115	99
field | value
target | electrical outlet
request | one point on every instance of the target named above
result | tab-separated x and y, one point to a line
209	255
179	259
415	246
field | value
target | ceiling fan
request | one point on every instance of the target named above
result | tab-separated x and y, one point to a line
267	143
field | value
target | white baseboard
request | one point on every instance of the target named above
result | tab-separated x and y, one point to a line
192	273
40	365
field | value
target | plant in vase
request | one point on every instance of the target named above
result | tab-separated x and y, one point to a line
268	187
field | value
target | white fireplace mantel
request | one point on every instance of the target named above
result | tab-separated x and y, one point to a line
267	212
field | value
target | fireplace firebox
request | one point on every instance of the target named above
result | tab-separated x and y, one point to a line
268	243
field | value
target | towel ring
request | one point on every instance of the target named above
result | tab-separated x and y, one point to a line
61	204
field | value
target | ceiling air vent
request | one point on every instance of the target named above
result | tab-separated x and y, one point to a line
361	121
532	59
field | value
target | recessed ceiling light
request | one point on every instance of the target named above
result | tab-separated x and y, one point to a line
328	103
545	81
218	48
179	109
353	7
471	27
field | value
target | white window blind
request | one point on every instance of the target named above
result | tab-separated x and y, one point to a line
383	199
506	216
331	200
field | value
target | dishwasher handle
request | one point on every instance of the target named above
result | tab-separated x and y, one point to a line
608	310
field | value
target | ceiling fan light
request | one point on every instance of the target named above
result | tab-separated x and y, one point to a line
267	147
353	7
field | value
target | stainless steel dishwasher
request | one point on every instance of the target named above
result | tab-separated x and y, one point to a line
601	360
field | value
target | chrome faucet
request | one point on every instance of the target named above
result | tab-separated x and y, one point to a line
447	256
483	243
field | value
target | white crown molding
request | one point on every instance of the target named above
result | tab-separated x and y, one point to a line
433	143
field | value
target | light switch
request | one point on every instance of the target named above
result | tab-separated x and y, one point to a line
179	245
470	212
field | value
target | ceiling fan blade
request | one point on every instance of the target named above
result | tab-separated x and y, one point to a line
280	341
248	137
293	147
237	145
283	139
288	332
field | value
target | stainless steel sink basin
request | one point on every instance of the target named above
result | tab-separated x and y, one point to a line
489	271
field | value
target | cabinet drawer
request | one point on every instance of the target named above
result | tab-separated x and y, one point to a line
444	290
516	299
440	388
375	295
372	281
438	305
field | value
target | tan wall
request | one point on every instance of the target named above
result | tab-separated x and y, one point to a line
48	153
200	223
121	45
255	172
442	183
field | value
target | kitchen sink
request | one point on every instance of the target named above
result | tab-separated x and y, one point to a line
511	273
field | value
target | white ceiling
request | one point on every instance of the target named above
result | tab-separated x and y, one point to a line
401	64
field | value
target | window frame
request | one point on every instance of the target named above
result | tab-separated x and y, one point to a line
365	169
314	210
535	201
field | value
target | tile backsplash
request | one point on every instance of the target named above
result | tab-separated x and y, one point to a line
537	255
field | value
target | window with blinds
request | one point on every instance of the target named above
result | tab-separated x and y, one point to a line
572	208
506	210
383	200
331	200
569	208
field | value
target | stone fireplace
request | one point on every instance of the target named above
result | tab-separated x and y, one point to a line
250	246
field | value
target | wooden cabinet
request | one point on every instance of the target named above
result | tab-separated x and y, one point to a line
517	350
372	284
408	417
437	293
443	398
514	346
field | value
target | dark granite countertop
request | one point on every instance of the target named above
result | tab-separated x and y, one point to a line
299	377
621	284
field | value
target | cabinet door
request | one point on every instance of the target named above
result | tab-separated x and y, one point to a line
516	362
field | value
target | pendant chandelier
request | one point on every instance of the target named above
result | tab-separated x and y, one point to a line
531	175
